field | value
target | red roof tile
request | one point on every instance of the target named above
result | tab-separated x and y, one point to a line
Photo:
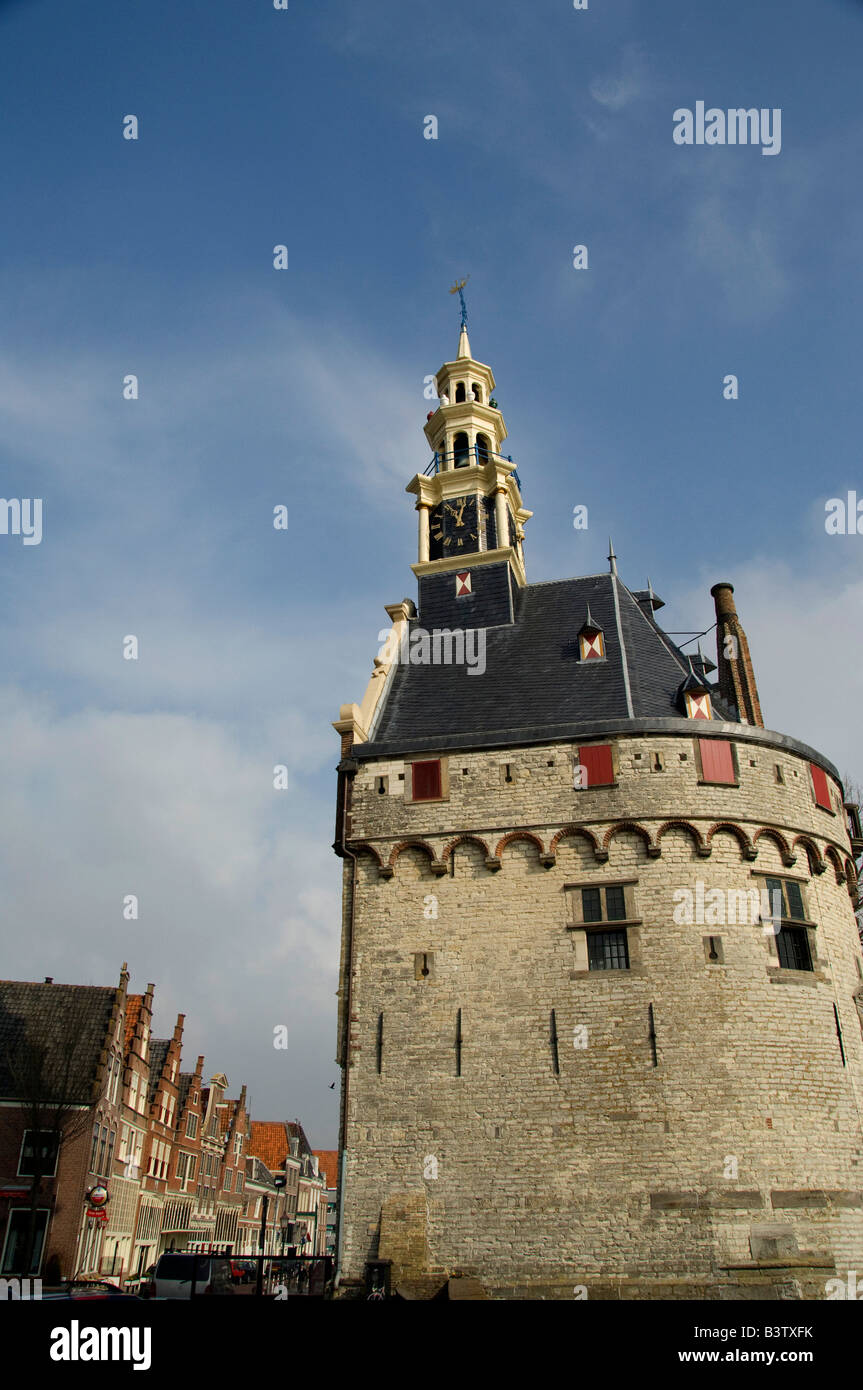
133	1013
328	1162
270	1142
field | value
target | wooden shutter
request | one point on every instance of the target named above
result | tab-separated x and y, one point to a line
820	787
597	760
425	781
717	760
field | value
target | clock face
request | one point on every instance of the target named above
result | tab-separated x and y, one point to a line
454	527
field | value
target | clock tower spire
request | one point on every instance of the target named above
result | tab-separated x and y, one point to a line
469	496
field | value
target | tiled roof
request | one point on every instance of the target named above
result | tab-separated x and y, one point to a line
69	1021
534	681
133	1013
270	1141
328	1162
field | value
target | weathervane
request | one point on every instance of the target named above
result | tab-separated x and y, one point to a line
458	288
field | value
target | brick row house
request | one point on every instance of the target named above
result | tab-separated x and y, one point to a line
111	1154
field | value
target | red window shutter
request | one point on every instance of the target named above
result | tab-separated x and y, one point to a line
820	787
717	761
596	758
425	781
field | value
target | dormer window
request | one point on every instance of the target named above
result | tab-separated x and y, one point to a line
591	640
698	706
592	646
694	696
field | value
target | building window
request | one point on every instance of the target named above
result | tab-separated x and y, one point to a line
426	781
607	950
191	1126
717	761
820	787
597	765
38	1154
792	945
789	898
592	904
16	1241
182	1166
591	645
698	706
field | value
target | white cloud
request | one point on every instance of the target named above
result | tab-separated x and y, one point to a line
627	84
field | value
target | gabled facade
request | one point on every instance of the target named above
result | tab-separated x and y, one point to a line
589	898
61	1056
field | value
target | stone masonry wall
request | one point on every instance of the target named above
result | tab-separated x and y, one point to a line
738	1146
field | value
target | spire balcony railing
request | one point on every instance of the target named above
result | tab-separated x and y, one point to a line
461	458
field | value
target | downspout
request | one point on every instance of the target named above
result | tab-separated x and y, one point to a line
347	771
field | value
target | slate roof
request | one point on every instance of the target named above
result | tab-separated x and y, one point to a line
534	679
158	1054
70	1021
184	1086
257	1171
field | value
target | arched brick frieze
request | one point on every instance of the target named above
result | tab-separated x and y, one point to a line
768	833
517	835
465	840
702	848
727	827
621	827
813	853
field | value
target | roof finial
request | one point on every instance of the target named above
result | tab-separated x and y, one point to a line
612	558
463	342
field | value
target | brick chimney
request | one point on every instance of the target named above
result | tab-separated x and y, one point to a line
736	676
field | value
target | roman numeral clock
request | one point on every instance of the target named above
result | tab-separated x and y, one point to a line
454	527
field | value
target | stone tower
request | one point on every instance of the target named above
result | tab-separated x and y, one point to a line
600	989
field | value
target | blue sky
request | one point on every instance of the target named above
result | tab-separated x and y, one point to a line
305	387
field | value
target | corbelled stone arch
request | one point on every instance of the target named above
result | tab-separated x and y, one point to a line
853	887
768	833
835	859
515	837
570	832
364	848
813	854
435	864
631	827
727	827
702	849
465	840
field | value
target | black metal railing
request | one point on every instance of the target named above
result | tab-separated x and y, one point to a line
461	458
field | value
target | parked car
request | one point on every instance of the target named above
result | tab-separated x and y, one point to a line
85	1289
174	1272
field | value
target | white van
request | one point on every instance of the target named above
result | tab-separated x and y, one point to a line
173	1275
